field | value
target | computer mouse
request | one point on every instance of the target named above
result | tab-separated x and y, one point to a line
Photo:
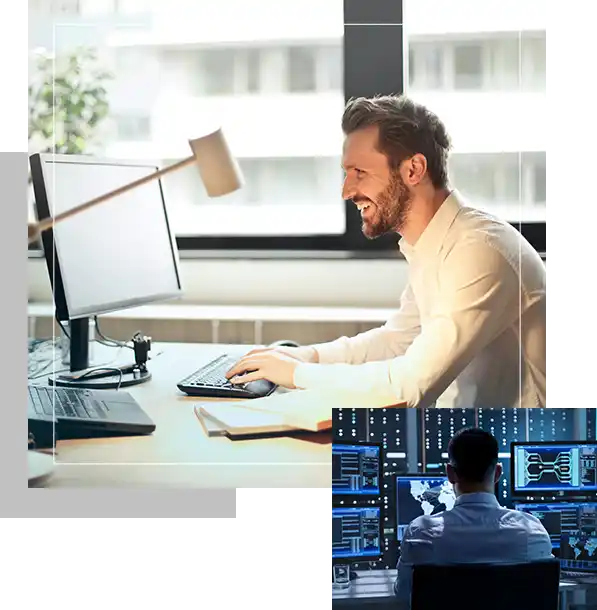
285	343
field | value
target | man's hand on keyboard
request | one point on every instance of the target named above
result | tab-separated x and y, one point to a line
271	364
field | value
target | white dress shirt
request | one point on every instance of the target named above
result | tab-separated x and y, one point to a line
476	530
470	331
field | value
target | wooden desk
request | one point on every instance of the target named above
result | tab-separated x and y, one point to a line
179	454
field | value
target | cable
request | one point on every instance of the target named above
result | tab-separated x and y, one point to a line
114	342
63	329
103	340
41	370
106	340
105	368
42	354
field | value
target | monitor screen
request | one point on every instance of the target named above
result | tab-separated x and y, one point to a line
566	468
356	469
578	551
116	255
418	495
560	518
356	533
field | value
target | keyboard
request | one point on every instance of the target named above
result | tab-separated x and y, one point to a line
586	576
210	381
65	403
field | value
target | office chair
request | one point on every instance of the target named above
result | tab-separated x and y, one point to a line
490	587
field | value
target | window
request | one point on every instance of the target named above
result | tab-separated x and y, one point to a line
59	7
490	181
132	7
132	128
427	66
475	176
97	7
279	95
253	63
533	54
539	184
300	172
193	207
218	71
468	66
504	58
301	69
479	83
534	177
330	68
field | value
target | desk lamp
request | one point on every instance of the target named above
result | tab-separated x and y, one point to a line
220	174
219	171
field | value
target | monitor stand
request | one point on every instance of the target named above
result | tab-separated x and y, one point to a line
96	378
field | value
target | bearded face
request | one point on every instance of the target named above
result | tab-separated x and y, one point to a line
378	191
388	211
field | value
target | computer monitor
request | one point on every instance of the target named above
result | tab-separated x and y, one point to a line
117	255
421	494
562	518
356	469
356	534
565	469
578	552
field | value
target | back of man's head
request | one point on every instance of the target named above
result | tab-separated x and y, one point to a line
473	456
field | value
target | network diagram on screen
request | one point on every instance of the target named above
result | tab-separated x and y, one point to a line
555	467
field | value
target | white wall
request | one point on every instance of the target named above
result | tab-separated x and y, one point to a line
373	283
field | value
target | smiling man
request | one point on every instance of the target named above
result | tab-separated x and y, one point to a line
470	329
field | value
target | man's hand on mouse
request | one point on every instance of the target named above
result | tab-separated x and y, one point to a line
270	364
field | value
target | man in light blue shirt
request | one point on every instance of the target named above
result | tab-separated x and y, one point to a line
477	529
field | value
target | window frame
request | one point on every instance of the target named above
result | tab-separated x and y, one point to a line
362	30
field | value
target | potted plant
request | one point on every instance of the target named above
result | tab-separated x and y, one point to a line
68	103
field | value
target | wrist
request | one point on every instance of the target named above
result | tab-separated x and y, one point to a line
310	354
298	376
304	353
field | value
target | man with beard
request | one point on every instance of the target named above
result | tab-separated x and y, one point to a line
470	330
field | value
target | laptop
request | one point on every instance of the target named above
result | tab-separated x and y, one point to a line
83	413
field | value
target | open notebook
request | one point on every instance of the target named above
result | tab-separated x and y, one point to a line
233	422
280	412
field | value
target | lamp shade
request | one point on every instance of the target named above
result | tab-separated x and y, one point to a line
219	170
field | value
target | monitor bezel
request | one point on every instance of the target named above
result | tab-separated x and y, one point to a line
39	165
341	496
531	495
357	558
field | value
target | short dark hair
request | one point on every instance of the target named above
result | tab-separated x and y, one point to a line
473	452
406	128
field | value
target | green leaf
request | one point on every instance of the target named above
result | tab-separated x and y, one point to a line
68	96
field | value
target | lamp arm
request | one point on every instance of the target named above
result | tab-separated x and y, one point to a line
35	229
